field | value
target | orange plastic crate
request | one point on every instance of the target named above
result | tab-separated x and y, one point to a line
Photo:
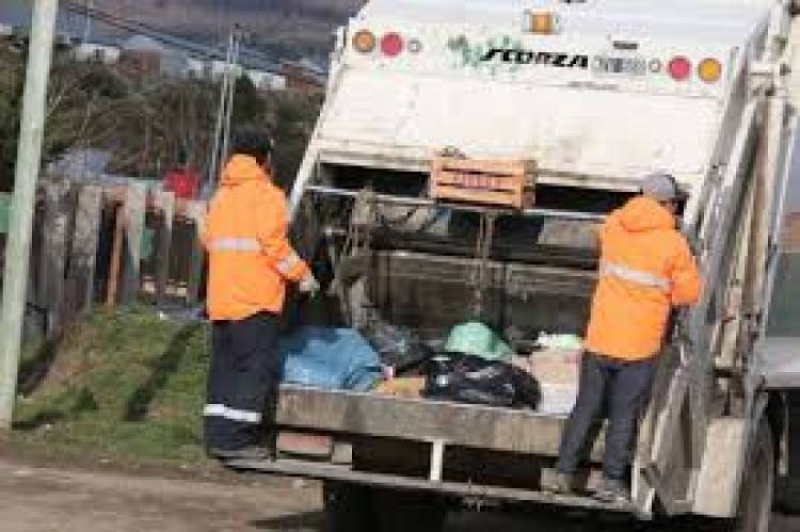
505	183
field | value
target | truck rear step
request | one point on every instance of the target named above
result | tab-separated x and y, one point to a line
343	473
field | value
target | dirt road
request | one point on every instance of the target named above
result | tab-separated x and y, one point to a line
41	499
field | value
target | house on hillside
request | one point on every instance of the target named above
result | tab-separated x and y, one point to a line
63	41
6	31
88	52
147	56
217	69
143	55
267	81
80	165
194	68
304	76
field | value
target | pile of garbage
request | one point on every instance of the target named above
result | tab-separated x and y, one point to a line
472	365
476	368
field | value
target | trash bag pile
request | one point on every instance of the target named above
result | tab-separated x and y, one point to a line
472	365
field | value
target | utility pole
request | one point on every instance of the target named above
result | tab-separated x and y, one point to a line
233	72
18	245
223	125
87	29
208	184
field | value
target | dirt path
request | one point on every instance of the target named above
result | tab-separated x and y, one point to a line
43	499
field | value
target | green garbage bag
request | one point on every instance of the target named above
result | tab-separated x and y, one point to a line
474	338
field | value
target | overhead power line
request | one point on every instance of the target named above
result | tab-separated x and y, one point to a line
248	57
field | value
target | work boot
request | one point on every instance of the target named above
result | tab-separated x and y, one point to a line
560	484
250	452
612	491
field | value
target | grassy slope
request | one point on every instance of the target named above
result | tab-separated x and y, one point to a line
121	384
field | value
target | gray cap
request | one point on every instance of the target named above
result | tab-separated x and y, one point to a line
661	186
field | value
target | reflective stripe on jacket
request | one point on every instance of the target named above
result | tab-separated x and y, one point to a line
250	258
646	267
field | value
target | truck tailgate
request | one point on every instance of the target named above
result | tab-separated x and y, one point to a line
489	428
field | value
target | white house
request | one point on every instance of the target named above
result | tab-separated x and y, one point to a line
267	81
194	68
6	30
143	44
96	53
217	69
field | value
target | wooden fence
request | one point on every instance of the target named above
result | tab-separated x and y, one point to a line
110	245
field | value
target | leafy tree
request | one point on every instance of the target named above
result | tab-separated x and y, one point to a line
248	106
11	83
148	125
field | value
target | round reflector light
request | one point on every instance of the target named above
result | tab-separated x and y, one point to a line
543	23
364	41
414	46
655	66
391	45
709	70
680	68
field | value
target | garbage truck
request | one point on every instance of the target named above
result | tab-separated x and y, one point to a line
593	95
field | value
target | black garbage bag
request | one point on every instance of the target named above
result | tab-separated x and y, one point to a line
474	380
397	346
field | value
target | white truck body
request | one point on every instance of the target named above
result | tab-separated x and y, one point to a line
584	127
602	94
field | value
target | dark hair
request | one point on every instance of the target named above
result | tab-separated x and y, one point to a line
252	141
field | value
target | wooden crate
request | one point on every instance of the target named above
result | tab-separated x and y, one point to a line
506	183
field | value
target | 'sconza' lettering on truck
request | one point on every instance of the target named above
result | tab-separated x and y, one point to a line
529	57
596	95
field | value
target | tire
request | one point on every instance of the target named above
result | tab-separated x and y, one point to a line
347	507
357	508
755	500
405	511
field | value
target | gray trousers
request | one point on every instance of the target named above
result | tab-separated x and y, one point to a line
623	388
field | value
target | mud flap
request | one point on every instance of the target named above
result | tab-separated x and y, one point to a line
721	474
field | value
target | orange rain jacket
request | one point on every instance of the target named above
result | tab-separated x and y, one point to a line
246	236
646	267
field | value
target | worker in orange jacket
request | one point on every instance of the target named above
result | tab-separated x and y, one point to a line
646	269
250	263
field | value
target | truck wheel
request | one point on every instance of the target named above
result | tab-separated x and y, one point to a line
347	507
755	501
401	511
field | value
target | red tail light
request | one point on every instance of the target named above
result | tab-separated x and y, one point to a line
392	45
680	68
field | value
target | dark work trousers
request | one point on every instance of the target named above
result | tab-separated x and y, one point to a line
624	389
243	381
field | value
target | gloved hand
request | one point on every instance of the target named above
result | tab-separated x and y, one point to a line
309	285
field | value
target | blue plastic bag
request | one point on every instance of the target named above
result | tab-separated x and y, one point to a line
333	359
